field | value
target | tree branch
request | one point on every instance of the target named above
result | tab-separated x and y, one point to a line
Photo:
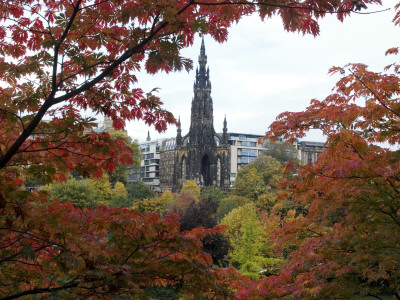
373	93
42	290
59	43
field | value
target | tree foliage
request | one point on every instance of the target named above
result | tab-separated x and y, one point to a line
120	256
161	204
259	177
202	213
248	241
227	204
138	191
121	172
348	242
89	192
191	189
212	192
282	152
80	194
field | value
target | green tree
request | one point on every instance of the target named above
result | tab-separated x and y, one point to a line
213	193
282	152
102	188
121	172
89	192
248	241
227	204
191	189
249	183
158	205
80	193
260	176
119	196
139	190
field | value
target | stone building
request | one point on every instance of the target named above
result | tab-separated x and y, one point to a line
167	164
201	155
308	151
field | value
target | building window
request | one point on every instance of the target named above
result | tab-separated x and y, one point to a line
146	162
150	155
245	160
249	144
248	152
309	158
133	176
253	152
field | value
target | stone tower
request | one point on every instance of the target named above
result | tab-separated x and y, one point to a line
202	155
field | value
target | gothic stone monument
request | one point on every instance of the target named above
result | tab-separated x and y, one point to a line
201	155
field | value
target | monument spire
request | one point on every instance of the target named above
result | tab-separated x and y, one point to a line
179	141
148	136
201	155
202	119
225	133
202	74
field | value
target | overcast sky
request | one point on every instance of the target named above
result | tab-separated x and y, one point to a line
262	71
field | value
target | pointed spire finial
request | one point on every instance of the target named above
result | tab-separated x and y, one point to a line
148	135
225	132
203	56
202	71
179	140
225	123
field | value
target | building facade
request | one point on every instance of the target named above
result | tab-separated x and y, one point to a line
167	164
150	165
243	149
308	151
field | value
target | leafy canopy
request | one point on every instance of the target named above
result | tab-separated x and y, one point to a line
259	177
348	241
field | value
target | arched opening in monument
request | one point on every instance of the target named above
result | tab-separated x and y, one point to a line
183	170
219	172
205	171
